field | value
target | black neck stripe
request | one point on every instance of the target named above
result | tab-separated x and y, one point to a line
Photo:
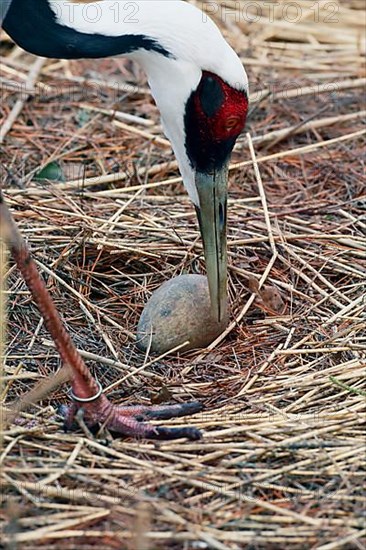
33	26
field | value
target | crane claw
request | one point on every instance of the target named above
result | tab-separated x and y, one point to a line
129	420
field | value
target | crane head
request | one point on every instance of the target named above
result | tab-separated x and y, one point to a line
215	115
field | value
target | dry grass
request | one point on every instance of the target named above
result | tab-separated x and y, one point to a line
281	464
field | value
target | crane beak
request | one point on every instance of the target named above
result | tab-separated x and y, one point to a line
4	6
212	193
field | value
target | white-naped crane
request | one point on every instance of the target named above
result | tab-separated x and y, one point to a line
197	80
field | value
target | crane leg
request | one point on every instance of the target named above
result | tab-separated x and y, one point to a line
86	392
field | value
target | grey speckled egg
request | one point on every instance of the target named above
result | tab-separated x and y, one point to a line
178	311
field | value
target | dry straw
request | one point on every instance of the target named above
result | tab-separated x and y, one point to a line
281	464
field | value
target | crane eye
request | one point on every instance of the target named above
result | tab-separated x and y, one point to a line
232	122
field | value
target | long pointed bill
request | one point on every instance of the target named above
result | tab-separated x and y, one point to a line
4	6
212	192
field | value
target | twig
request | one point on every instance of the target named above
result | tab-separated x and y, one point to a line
346	386
19	104
3	324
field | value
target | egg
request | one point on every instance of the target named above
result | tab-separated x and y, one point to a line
177	312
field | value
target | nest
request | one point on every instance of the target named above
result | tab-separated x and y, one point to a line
281	464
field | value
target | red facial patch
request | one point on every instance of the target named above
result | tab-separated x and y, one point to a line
220	109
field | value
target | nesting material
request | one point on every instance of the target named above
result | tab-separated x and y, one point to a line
179	311
281	464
